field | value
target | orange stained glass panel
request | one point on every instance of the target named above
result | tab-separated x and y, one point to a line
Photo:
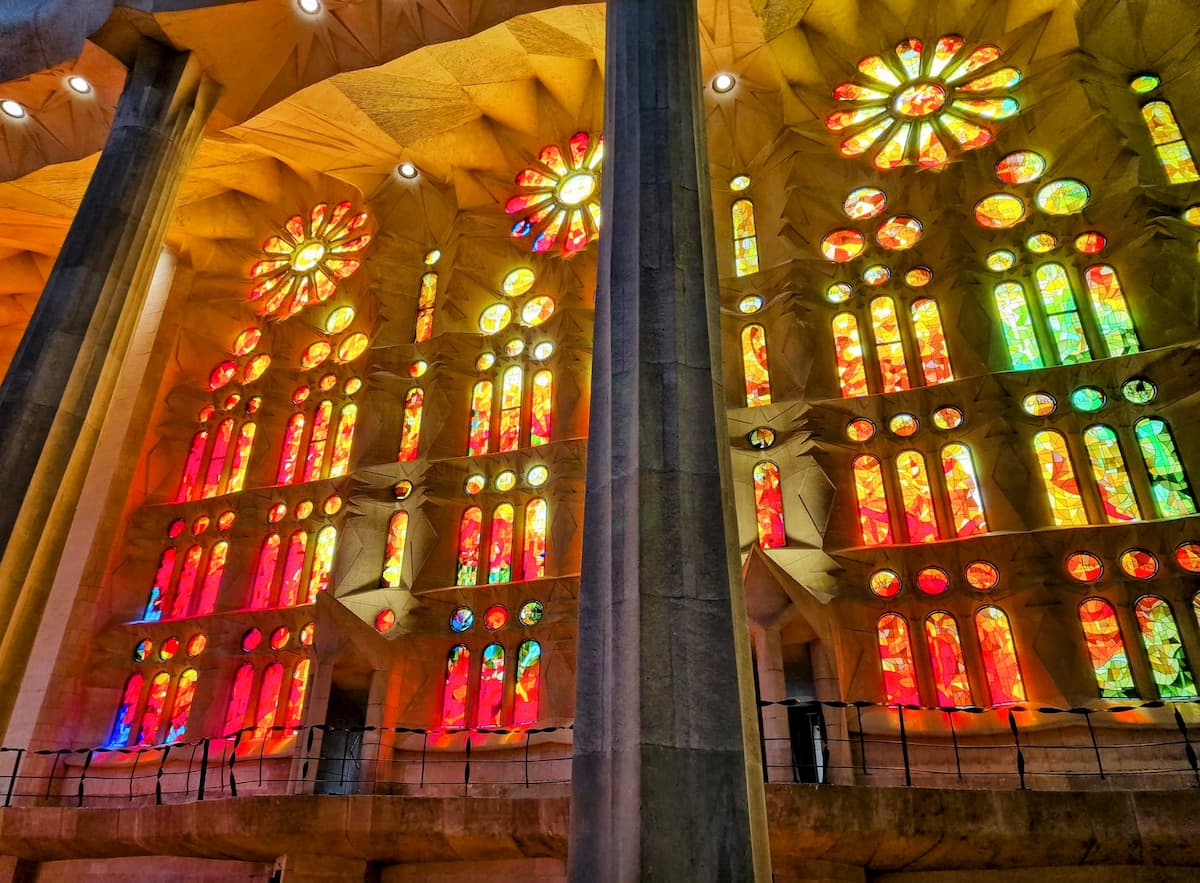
322	565
745	241
153	711
893	373
529	674
216	459
293	570
754	366
999	656
469	537
918	501
1164	648
264	572
454	693
241	458
293	436
962	492
410	435
213	571
874	521
491	688
1112	479
187	582
318	441
945	654
501	548
510	408
1106	649
297	690
533	565
1058	479
185	692
268	700
481	418
1169	144
393	556
162	582
239	700
896	660
851	369
542	406
931	341
191	467
768	506
343	440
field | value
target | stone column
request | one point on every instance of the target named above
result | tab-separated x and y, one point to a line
61	381
667	782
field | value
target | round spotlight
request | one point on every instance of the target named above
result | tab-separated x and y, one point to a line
311	7
12	109
78	84
723	82
406	170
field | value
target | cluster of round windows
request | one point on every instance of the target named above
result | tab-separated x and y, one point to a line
505	481
1063	196
200	524
982	576
228	370
877	274
331	506
534	311
541	351
496	617
904	424
301	393
1003	259
279	639
231	401
1089	399
1086	567
15	110
169	648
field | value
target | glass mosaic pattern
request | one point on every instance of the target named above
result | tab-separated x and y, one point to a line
1058	479
999	653
1112	479
1106	649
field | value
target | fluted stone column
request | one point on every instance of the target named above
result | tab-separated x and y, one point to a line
667	779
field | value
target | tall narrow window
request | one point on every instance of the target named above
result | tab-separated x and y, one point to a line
289	457
500	552
491	687
1062	314
410	435
216	459
1017	325
533	565
1160	637
918	502
187	582
317	442
768	506
529	673
1168	483
181	706
241	458
945	652
893	373
962	492
931	342
1106	649
1169	144
297	690
162	584
322	565
454	694
542	406
852	371
754	366
293	570
425	304
1058	478
152	713
268	700
393	556
481	419
874	521
191	467
264	572
122	728
239	699
213	571
510	408
343	440
999	656
469	530
1112	312
1112	480
896	659
745	239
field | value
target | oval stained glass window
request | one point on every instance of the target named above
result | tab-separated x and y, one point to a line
247	341
221	375
255	369
933	580
1088	399
947	417
315	354
1139	391
495	318
275	513
168	649
982	575
506	480
251	640
385	620
739	183
231	401
999	211
474	484
496	617
1084	567
1191	215
842	245
461	619
543	350
196	644
1039	404
1187	556
303	509
761	438
918	277
1000	260
141	650
176	527
279	637
1139	564
751	303
1090	242
339	320
401	489
517	282
531	613
308	632
860	429
352	347
537	310
1066	196
1041	243
899	233
904	425
1143	83
326	383
885	583
839	292
1021	167
514	347
225	519
200	525
876	274
537	475
864	202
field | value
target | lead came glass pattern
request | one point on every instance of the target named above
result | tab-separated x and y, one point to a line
1169	145
896	661
999	652
1111	310
1062	314
962	491
1164	647
1112	479
851	370
1024	353
945	654
1058	478
889	350
918	501
1168	483
1106	649
873	519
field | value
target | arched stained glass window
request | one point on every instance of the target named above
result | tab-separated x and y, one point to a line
410	435
268	700
510	408
264	572
542	406
755	366
1169	144
945	652
162	584
1062	314
874	521
500	551
239	699
533	565
1112	479
425	304
745	239
528	688
187	582
1168	483
297	689
181	706
768	505
1058	478
889	350
213	571
1024	353
454	694
322	565
191	467
241	458
1160	637
289	457
480	427
1106	649
122	728
491	688
931	341
469	531
918	501
317	442
962	492
153	712
343	440
1112	312
896	659
216	458
999	653
393	556
293	570
852	371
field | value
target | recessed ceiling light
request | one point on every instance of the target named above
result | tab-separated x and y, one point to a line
406	170
79	84
12	109
723	82
312	7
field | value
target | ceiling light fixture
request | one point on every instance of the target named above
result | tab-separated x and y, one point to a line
723	82
78	84
12	109
311	7
406	170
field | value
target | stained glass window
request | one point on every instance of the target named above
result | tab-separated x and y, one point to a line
1160	637
241	458
918	501
268	700
343	440
185	692
239	699
501	548
410	435
1017	325
1168	483
393	556
1112	312
528	687
999	656
481	418
852	371
162	584
541	405
889	350
216	458
315	458
1058	478
491	688
768	505
1062	314
469	531
510	408
293	569
931	341
454	694
945	652
191	467
1169	144
213	571
896	660
533	564
297	689
1106	649
1108	469
962	492
745	240
122	728
264	572
322	564
754	366
425	304
874	522
187	582
288	457
153	711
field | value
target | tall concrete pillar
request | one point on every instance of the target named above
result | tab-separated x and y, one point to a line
61	381
667	778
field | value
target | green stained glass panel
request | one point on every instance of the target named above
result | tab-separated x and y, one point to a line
1168	483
